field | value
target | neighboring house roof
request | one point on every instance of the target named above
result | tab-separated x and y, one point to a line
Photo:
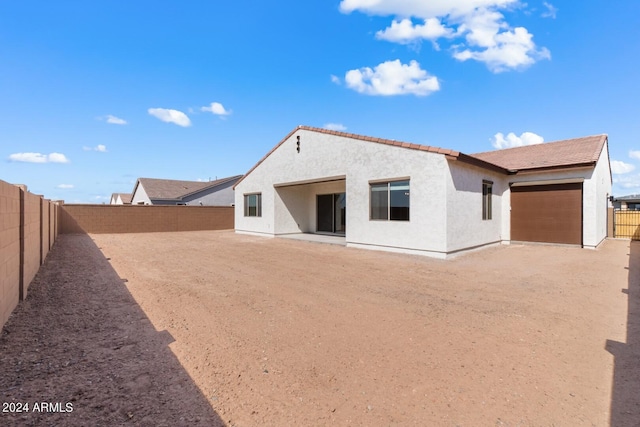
171	189
125	197
567	153
629	198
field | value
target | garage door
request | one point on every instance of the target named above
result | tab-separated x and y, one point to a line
547	213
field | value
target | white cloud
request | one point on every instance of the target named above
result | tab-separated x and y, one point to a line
634	154
64	186
512	140
217	109
335	79
551	11
115	120
335	126
502	51
38	158
405	32
170	116
480	30
627	182
392	78
619	167
99	147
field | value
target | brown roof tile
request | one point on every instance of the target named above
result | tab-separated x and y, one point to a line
176	189
569	152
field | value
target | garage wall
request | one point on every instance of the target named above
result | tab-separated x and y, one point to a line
465	226
602	177
583	173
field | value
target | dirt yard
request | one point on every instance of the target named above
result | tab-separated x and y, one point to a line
214	328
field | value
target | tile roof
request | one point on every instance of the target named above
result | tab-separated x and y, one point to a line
125	197
569	152
171	189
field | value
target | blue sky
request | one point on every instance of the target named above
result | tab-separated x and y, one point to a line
96	94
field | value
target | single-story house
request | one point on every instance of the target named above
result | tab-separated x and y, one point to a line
630	202
120	199
151	191
398	196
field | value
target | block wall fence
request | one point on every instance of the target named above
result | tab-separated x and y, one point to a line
28	229
103	219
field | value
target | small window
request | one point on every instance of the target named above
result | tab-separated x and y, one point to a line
253	204
487	191
390	201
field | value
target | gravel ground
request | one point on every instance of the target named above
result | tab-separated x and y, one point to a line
214	328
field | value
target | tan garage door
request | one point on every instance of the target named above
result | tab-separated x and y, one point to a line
547	213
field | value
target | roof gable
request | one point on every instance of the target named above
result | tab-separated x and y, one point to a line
171	189
451	154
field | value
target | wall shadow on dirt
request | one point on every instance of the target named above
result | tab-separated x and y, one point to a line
625	399
81	345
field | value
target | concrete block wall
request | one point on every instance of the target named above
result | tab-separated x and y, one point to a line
27	233
101	219
9	249
32	257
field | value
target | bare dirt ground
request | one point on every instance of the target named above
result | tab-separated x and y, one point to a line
214	327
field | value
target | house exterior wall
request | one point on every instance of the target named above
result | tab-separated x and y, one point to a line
221	195
465	226
602	176
358	163
140	197
596	188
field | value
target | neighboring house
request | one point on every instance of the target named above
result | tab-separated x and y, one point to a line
120	199
151	191
397	196
631	202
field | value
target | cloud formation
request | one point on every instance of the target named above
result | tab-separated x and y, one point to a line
64	186
392	78
38	158
335	126
101	148
170	116
115	120
619	167
634	154
550	11
217	109
477	29
501	141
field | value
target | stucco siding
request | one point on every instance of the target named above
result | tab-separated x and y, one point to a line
602	176
140	196
221	195
356	163
465	226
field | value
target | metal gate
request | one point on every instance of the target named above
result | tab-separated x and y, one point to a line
626	224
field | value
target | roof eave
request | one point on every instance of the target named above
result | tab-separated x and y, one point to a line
465	158
553	168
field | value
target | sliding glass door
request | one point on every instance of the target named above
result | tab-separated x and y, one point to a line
331	213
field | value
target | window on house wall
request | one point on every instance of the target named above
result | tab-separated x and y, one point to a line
253	204
487	191
390	200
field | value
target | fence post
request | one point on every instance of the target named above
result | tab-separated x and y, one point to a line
41	229
21	276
